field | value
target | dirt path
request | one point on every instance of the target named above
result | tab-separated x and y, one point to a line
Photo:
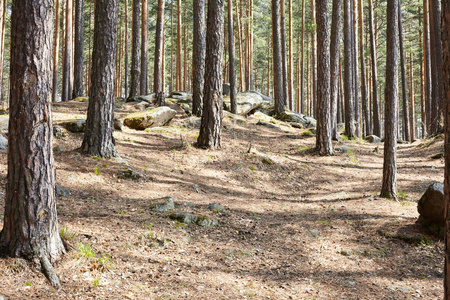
297	226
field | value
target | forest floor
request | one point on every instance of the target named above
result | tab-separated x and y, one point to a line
303	227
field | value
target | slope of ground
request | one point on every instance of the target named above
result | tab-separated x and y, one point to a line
296	226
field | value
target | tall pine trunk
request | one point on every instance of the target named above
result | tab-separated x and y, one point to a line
198	56
334	65
144	49
283	52
79	48
158	86
135	51
66	82
405	115
373	59
277	62
364	98
232	72
55	53
348	71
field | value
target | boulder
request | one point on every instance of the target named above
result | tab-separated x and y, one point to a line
264	117
155	117
118	125
59	132
431	205
162	204
77	125
192	123
62	191
247	102
226	90
181	95
141	105
147	98
4	122
268	125
199	220
373	139
3	143
297	118
216	207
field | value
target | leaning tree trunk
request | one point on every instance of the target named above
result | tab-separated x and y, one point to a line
389	186
277	67
324	145
198	56
79	48
348	71
158	86
135	57
232	71
373	56
98	137
30	227
334	64
66	86
211	125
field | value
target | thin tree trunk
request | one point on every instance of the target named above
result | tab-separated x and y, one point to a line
158	86
268	66
411	100
126	49
389	186
364	100
79	49
179	31
324	145
348	71
198	56
313	61
135	51
302	72
290	94
144	49
241	59
232	73
283	53
55	53
334	64
211	125
66	87
355	70
30	226
373	58
277	62
405	121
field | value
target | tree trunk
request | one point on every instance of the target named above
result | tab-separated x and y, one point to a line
126	49
144	49
277	63
55	53
211	125
158	86
302	71
313	61
179	31
66	86
79	48
334	64
348	71
446	89
30	227
232	72
283	53
135	51
290	94
198	56
405	121
355	70
324	144
241	59
389	186
373	58
412	122
364	100
98	137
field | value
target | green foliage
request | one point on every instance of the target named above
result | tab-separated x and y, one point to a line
65	234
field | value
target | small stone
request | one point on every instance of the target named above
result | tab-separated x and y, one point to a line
62	191
373	139
268	161
342	149
59	132
130	174
3	143
78	125
216	207
118	125
268	125
3	297
314	232
165	204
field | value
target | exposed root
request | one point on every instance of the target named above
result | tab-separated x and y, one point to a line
49	272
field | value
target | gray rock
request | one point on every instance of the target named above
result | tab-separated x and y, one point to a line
4	122
3	143
3	297
78	125
373	139
62	191
156	117
226	89
163	205
182	95
142	105
130	174
59	132
118	105
199	220
431	205
247	102
340	127
342	149
268	125
58	149
118	125
298	118
216	207
148	98
189	122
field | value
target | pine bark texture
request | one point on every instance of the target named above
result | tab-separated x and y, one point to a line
324	145
158	86
66	81
144	49
313	62
232	71
364	100
348	71
283	52
389	185
427	65
30	227
373	55
334	65
277	63
211	124
55	53
135	51
98	137
405	114
78	51
198	56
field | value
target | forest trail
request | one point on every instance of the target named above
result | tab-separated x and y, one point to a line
296	226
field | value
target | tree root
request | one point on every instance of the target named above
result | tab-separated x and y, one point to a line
49	272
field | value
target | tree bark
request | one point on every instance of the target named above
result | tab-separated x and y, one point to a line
313	61
79	48
144	49
179	50
198	56
30	228
232	72
412	123
158	86
324	144
334	65
348	71
283	53
364	100
135	51
55	53
405	121
290	95
98	137
373	58
302	71
211	125
277	63
389	186
241	59
125	71
66	86
355	69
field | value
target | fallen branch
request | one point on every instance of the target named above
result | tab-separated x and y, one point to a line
282	267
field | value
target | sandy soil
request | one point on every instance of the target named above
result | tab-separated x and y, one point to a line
304	227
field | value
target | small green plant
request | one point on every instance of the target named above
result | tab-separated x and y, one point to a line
121	212
344	137
252	168
352	157
403	194
28	283
65	234
308	133
96	158
324	222
85	250
96	282
96	171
